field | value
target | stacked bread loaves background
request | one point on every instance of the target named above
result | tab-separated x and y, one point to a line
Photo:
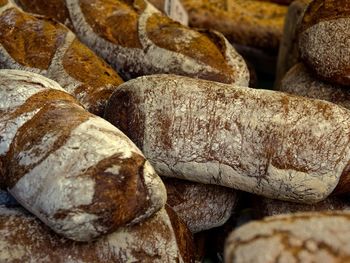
126	136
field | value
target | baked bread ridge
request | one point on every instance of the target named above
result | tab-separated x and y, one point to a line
200	206
322	35
75	171
155	240
41	45
301	237
154	44
260	141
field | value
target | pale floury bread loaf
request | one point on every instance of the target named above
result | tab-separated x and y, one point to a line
324	40
302	237
261	141
75	171
41	45
160	238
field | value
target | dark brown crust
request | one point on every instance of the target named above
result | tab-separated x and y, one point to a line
324	10
3	2
99	80
343	185
280	2
183	235
19	36
53	8
117	21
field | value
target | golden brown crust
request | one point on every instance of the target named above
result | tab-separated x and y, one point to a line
243	22
97	78
54	8
21	40
117	21
280	2
323	10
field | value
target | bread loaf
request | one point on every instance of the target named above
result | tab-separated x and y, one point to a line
245	22
201	206
43	46
269	207
26	239
288	54
137	39
76	172
303	237
323	40
260	141
300	81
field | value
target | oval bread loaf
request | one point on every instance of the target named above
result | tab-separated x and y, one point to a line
41	45
265	142
26	239
302	237
324	40
75	171
137	39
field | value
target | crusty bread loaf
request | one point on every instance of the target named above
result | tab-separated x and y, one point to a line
43	46
53	8
26	239
246	22
137	39
288	54
303	237
201	206
261	141
75	171
300	81
323	40
269	207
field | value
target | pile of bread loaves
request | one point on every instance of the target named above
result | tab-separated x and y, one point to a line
95	169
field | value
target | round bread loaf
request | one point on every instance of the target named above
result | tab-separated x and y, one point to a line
302	237
75	171
324	40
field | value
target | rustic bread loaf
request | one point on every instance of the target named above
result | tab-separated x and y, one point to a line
200	206
300	81
269	207
323	40
26	239
43	46
302	237
288	54
75	171
137	39
246	22
53	8
261	141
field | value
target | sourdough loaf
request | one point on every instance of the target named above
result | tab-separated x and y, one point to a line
26	239
300	81
43	46
201	206
75	171
302	237
324	40
261	141
137	39
269	207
